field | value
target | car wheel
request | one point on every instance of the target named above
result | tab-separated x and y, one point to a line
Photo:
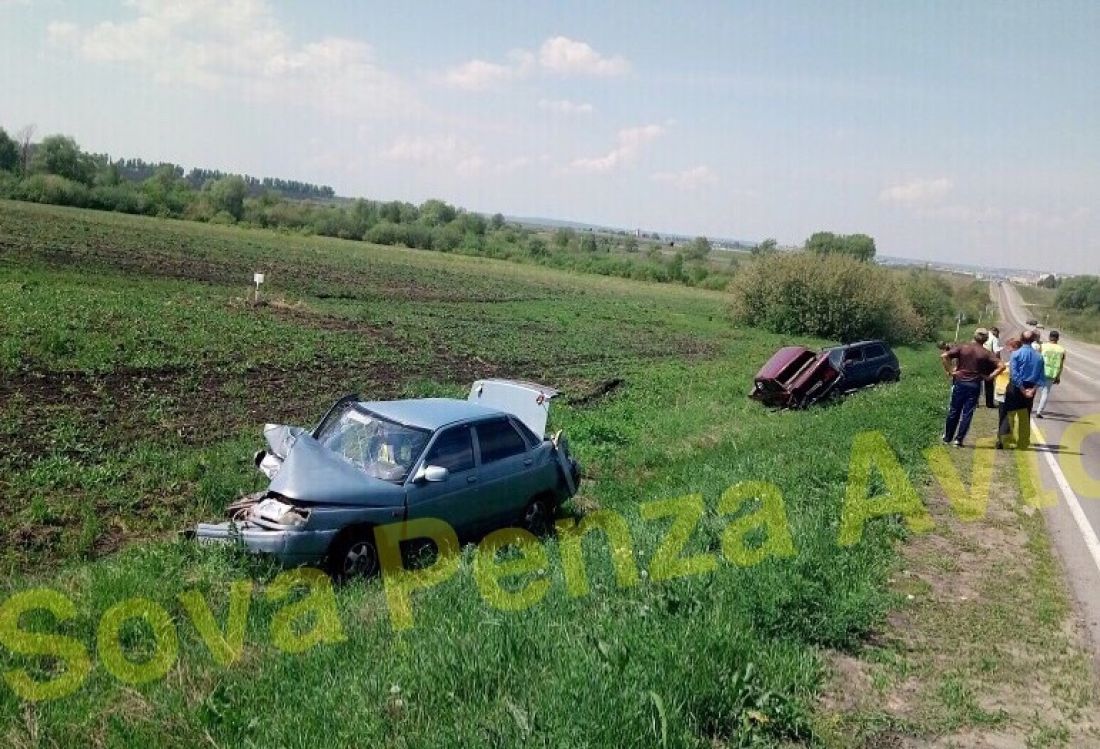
538	517
353	555
887	374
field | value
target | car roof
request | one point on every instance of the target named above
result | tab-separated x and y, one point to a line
429	413
853	344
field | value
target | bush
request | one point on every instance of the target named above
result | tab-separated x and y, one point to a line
50	188
833	296
1079	293
931	298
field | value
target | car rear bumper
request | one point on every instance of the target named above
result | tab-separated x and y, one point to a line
291	547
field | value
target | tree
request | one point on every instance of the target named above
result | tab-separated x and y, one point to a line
23	138
698	248
497	221
436	213
9	153
536	246
859	246
769	245
588	243
227	194
60	155
562	237
630	244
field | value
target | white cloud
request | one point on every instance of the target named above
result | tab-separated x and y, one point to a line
918	191
445	152
688	179
557	55
477	75
629	142
564	106
566	56
238	45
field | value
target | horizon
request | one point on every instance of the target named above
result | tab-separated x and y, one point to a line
961	133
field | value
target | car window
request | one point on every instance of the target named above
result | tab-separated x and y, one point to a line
453	450
528	435
499	440
381	448
853	355
875	351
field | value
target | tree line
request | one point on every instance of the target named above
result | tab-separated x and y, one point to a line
1078	293
58	171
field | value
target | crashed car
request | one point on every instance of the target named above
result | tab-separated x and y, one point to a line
478	464
796	376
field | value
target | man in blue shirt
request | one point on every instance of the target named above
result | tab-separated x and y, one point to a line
1025	370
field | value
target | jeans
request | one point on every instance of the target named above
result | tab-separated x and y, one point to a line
1044	393
964	399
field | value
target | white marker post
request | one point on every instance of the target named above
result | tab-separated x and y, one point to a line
257	278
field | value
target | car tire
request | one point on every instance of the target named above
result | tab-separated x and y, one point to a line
538	516
888	374
353	554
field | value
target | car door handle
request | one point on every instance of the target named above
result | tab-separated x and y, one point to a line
529	461
471	479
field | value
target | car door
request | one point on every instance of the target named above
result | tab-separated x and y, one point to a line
876	361
456	498
507	472
854	374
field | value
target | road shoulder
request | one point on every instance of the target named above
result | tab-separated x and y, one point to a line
985	648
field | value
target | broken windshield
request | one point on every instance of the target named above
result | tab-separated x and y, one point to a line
382	449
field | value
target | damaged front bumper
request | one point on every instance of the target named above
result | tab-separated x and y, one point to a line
291	546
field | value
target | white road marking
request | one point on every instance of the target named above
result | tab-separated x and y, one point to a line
1092	543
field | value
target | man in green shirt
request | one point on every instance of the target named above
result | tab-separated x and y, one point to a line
1054	360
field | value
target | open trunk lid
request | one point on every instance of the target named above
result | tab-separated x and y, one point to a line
527	401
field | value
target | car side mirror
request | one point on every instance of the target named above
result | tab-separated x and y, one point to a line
432	474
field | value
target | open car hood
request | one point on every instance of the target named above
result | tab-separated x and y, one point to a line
313	473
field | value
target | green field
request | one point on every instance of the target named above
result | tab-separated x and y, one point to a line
136	376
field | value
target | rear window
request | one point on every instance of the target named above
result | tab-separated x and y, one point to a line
499	440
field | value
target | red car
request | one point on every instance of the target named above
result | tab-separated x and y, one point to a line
794	377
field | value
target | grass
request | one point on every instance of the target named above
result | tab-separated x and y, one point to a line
1077	323
987	648
136	377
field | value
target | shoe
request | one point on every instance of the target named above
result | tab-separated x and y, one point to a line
945	441
1038	415
1000	445
958	443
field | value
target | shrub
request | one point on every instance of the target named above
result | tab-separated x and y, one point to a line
50	188
931	298
833	296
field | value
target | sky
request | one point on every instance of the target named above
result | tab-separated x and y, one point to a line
962	132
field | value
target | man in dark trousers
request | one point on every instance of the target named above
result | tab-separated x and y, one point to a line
1026	376
968	366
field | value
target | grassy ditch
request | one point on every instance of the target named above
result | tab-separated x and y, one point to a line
168	377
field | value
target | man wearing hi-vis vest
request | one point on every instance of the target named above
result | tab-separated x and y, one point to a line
1054	359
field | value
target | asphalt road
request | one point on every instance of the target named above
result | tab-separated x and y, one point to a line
1074	522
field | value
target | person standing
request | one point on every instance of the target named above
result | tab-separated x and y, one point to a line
968	366
1026	375
993	346
1054	360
